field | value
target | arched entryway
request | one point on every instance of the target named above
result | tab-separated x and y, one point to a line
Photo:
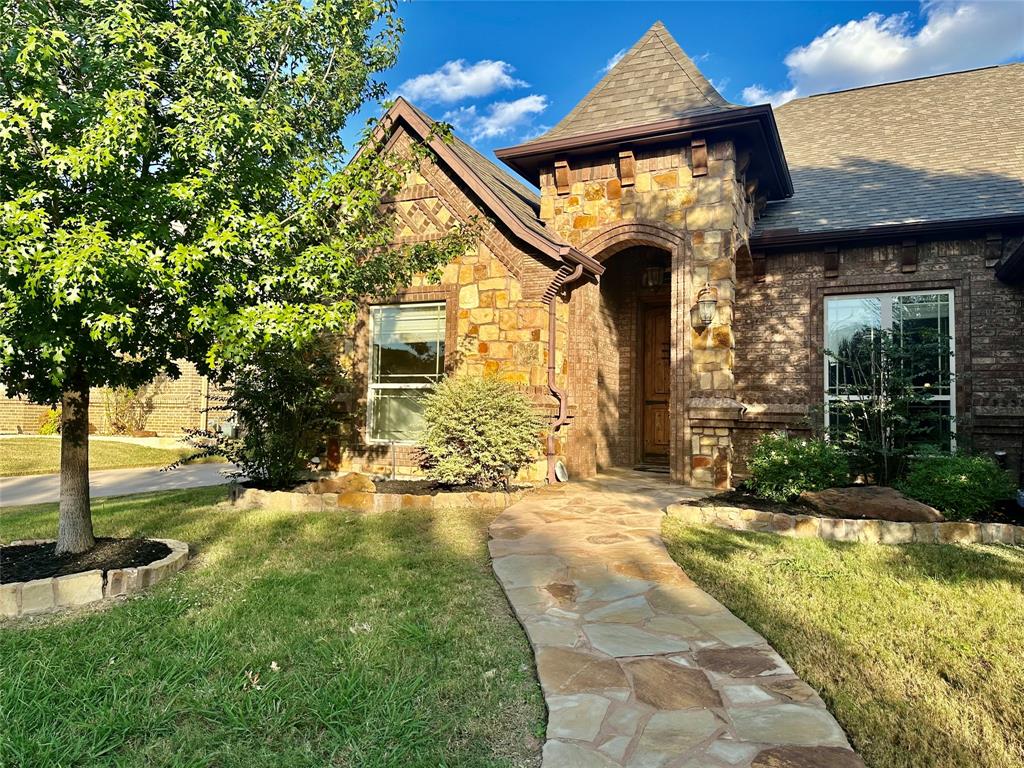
634	359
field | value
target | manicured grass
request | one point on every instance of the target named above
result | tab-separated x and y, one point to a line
916	649
41	456
393	642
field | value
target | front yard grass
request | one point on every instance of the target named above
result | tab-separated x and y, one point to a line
291	640
916	649
41	455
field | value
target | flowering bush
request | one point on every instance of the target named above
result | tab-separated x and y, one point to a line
783	467
959	487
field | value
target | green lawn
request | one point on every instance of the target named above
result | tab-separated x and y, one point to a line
41	455
918	649
394	646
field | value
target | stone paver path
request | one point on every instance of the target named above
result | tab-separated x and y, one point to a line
639	666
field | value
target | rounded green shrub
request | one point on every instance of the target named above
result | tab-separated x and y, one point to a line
783	467
478	431
960	487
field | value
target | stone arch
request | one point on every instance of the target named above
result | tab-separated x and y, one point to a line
613	238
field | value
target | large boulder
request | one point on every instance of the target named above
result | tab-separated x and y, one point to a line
353	482
871	502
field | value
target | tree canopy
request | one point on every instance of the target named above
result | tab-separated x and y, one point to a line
174	184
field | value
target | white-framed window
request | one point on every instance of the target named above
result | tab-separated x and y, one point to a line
406	360
852	320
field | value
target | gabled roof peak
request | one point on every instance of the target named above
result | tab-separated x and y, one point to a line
655	80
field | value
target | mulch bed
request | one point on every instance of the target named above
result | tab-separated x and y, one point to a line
26	562
431	488
1005	512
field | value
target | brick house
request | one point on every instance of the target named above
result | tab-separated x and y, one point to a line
865	208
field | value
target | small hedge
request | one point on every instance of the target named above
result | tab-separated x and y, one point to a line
782	467
960	487
478	431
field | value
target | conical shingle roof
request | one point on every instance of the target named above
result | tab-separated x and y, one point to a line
654	81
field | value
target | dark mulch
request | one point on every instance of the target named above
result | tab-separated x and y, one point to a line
432	488
26	562
744	498
1004	512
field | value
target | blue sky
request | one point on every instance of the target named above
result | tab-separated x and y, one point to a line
503	72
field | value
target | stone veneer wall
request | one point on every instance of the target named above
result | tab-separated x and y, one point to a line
496	324
174	405
780	336
704	222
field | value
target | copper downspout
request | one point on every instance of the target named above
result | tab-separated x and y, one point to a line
561	280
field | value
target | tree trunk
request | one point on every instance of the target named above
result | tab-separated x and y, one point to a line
74	531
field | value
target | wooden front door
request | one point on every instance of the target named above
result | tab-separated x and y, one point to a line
655	385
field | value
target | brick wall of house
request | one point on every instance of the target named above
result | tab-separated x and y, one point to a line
171	405
779	329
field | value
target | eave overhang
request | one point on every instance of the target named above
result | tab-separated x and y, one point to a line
753	126
793	237
402	112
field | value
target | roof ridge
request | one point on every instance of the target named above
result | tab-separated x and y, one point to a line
937	75
675	51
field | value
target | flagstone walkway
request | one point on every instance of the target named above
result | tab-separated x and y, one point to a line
639	666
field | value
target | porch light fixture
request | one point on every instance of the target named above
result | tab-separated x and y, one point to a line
707	301
653	276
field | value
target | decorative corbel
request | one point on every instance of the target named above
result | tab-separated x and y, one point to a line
699	157
831	261
908	256
563	181
627	168
993	248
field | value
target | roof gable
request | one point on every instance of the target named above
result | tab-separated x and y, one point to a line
654	81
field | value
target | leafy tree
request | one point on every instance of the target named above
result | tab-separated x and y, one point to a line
172	185
887	414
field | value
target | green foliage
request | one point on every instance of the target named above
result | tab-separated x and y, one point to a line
783	467
479	431
174	184
889	415
284	401
960	487
50	423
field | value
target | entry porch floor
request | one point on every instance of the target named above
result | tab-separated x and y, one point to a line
639	666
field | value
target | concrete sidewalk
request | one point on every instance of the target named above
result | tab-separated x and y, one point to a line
42	489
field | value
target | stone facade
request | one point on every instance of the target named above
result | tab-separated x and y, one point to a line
701	221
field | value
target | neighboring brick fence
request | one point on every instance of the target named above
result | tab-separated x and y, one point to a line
839	529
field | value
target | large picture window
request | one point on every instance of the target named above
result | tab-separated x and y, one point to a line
406	359
853	329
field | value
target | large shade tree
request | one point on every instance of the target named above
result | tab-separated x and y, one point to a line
173	186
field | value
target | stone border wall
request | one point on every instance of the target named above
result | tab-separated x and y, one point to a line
840	529
29	598
361	501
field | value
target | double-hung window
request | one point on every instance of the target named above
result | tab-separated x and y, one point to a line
406	360
852	323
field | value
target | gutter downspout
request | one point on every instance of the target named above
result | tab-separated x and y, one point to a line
562	280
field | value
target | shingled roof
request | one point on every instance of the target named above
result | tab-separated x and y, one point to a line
655	80
942	148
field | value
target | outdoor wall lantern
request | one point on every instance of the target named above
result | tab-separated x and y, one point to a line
707	301
653	276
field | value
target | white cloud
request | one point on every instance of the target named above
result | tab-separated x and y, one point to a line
457	80
501	118
879	49
614	60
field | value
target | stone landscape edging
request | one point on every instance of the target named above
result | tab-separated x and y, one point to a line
374	503
30	598
846	529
